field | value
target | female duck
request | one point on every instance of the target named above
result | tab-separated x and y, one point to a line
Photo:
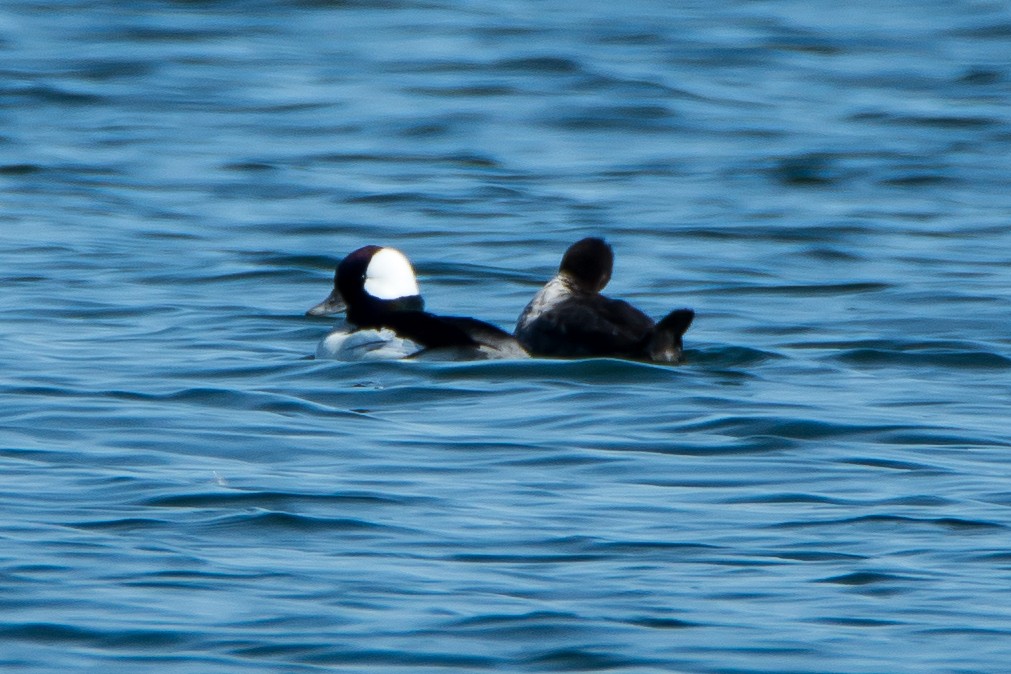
569	318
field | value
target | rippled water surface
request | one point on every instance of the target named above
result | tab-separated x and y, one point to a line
823	486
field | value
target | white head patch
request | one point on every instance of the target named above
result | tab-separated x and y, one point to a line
390	275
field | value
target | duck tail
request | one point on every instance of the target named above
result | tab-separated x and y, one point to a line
665	345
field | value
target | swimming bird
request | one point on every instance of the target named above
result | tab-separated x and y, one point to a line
377	288
569	318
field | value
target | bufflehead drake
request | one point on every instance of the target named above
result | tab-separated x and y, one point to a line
386	319
569	318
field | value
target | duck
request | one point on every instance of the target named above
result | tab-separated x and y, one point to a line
570	318
377	289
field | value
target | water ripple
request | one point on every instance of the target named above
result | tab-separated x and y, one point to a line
823	480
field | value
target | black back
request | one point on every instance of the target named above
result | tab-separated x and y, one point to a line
428	330
587	326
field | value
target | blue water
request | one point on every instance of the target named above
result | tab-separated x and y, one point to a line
824	486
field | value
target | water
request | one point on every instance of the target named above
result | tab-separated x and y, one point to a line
824	486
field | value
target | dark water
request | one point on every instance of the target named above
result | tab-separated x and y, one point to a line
823	487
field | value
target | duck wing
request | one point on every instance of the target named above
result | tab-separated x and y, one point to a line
428	330
494	340
588	326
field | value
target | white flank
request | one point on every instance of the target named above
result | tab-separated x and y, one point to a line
360	345
390	275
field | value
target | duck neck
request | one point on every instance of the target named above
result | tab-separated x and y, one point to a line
370	311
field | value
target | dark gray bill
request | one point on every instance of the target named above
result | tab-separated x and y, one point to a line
334	304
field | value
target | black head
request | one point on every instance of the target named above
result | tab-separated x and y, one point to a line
349	278
588	262
375	281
